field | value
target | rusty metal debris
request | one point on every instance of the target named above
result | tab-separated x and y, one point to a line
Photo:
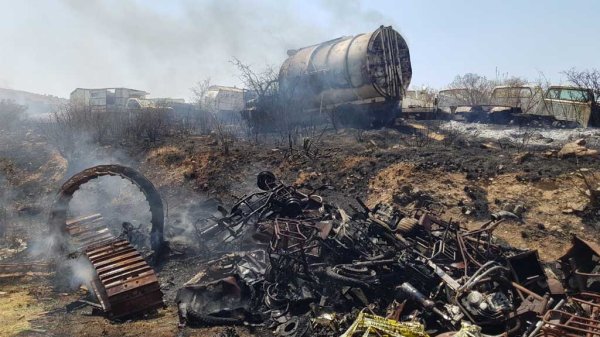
305	268
58	213
576	317
123	282
580	266
25	268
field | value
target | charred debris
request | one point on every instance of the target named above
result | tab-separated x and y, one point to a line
289	261
286	262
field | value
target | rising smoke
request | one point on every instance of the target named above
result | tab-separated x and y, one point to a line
163	48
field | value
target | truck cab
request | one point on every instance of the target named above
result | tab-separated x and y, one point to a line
571	104
474	106
524	98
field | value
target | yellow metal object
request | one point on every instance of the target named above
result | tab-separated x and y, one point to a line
468	330
373	325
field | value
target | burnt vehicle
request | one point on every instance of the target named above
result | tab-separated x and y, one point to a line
420	105
561	106
354	80
557	106
570	104
525	98
473	106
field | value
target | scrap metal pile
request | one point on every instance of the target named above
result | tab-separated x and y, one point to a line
291	262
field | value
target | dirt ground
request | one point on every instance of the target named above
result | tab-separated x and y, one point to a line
470	178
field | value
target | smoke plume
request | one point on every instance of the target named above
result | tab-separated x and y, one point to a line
165	47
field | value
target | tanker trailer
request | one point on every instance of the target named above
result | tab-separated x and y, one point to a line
355	80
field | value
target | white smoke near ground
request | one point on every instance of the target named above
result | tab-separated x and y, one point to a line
74	273
163	48
116	199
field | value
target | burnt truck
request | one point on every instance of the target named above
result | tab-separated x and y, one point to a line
564	106
354	80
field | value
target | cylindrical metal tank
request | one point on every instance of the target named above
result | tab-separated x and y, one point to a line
368	66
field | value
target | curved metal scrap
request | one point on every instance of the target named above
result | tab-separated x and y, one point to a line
58	214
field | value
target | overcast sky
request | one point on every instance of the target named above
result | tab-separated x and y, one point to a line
164	47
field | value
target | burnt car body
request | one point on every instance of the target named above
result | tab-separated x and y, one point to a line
557	106
570	104
474	106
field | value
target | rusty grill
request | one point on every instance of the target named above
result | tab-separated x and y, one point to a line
124	284
573	324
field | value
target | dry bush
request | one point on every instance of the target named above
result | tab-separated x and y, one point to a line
11	114
224	132
452	135
591	191
477	88
589	79
72	130
149	124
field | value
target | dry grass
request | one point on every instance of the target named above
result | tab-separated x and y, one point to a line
552	202
166	155
17	307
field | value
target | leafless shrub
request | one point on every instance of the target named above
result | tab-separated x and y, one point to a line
504	143
150	124
524	141
11	114
71	130
420	138
359	135
589	79
65	129
472	89
225	133
591	190
452	135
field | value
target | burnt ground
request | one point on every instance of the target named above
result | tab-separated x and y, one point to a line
468	176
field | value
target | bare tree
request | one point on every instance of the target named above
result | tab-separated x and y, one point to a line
222	126
473	89
201	117
263	83
589	79
266	111
513	81
199	90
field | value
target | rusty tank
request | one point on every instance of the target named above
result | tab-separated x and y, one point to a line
371	71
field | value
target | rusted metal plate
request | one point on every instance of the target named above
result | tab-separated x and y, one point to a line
89	230
22	269
125	284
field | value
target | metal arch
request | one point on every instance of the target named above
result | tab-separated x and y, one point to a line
58	213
